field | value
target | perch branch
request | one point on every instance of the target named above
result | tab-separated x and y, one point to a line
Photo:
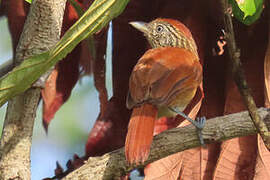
239	76
41	31
113	165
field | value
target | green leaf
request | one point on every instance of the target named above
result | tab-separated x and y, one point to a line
94	19
247	6
90	40
29	1
247	11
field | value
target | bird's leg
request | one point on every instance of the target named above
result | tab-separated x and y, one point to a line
199	123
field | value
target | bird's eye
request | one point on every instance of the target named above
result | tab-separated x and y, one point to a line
159	28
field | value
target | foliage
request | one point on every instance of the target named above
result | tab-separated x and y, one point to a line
24	75
247	11
222	96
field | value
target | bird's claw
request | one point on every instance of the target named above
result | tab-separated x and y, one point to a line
200	121
200	124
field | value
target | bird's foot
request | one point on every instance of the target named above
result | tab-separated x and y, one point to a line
198	123
201	122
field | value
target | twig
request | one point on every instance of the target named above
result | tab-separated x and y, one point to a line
113	165
41	31
239	76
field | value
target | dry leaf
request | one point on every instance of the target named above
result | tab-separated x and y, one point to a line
236	159
59	85
262	168
164	169
199	163
108	133
267	72
16	12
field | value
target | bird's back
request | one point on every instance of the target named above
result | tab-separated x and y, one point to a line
165	76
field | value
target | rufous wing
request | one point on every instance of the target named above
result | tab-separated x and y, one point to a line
161	73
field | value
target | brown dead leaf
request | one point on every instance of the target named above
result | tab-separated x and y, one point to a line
166	168
199	163
99	70
236	159
108	133
16	13
267	73
59	85
86	58
192	164
51	102
262	168
191	168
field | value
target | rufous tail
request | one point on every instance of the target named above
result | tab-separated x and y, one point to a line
140	133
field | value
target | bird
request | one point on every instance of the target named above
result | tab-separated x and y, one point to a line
162	83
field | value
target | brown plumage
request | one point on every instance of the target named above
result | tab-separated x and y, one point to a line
164	77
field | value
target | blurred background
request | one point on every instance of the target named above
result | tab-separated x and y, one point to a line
69	129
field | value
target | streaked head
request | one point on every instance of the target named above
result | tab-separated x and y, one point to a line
166	32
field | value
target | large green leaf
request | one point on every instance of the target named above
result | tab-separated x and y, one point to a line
94	19
90	40
247	11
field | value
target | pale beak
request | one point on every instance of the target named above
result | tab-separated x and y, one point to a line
141	26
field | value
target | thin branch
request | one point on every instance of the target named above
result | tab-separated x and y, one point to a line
239	76
41	32
113	165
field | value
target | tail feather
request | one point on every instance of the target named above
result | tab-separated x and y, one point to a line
140	133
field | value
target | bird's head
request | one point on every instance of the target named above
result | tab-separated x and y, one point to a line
166	32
